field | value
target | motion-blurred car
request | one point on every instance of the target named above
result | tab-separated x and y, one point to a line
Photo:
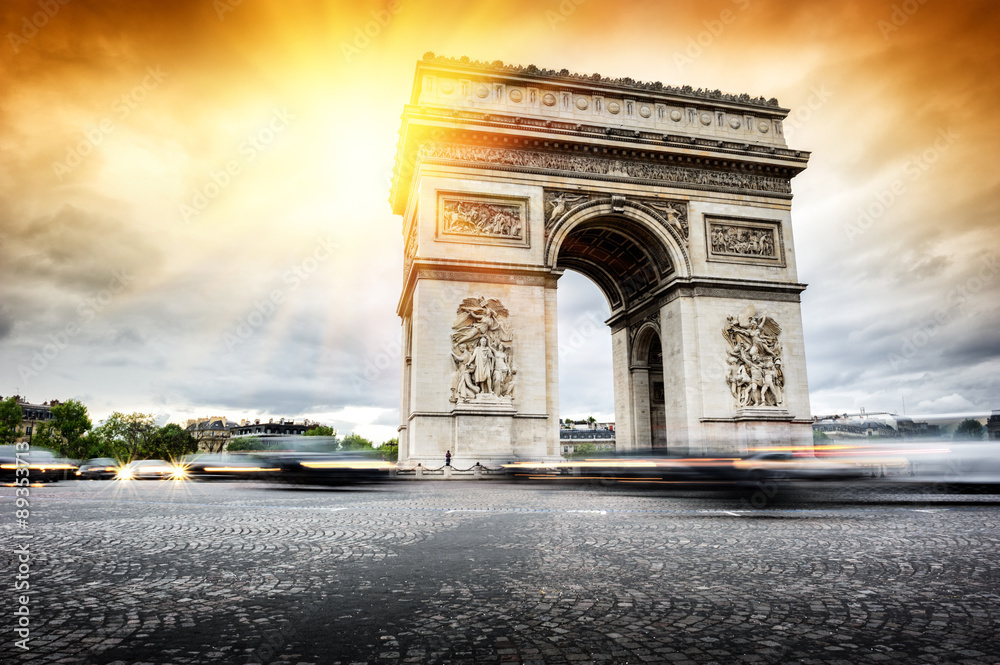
226	465
150	469
42	465
785	465
99	468
329	468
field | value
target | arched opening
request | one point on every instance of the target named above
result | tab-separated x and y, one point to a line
621	255
627	259
586	371
647	377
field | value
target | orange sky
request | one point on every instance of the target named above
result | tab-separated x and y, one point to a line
115	116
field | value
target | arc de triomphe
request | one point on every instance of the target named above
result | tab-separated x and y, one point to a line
675	202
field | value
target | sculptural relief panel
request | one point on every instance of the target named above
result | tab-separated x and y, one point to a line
483	219
482	353
755	370
744	241
617	168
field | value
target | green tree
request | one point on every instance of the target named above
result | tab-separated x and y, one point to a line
969	429
71	420
585	449
243	443
390	450
45	435
129	436
95	444
820	437
10	419
320	430
171	442
356	442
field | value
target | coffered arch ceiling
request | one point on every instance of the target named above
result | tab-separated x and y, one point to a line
623	259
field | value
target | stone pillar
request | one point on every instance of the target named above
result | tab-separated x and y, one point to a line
552	370
624	432
642	433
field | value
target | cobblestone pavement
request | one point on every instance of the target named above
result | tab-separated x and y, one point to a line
489	572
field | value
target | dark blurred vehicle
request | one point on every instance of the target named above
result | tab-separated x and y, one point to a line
43	466
788	465
329	468
631	468
99	468
209	466
150	469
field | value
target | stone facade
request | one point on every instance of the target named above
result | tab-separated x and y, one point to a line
675	202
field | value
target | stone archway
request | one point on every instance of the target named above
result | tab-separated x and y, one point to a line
675	203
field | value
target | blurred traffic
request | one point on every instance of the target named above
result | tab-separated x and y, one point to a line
944	465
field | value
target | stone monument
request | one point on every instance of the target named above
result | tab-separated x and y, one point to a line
675	202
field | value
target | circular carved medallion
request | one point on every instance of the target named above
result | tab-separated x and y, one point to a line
549	99
734	122
447	88
516	96
614	108
645	111
763	126
706	118
482	92
582	103
676	115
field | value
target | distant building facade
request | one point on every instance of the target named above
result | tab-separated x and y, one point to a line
212	433
993	426
33	416
603	439
283	427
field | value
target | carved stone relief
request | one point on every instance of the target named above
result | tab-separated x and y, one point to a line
745	241
671	214
482	353
603	166
482	219
755	370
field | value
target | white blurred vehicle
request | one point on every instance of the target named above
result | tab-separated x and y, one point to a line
150	468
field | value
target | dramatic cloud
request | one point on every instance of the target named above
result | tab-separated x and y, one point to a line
197	191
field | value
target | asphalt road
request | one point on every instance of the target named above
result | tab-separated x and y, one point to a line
489	572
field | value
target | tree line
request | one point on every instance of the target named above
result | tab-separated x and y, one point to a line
71	433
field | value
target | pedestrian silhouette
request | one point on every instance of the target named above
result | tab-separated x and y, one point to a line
447	458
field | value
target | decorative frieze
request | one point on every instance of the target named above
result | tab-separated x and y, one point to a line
613	168
733	240
671	214
483	219
755	369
